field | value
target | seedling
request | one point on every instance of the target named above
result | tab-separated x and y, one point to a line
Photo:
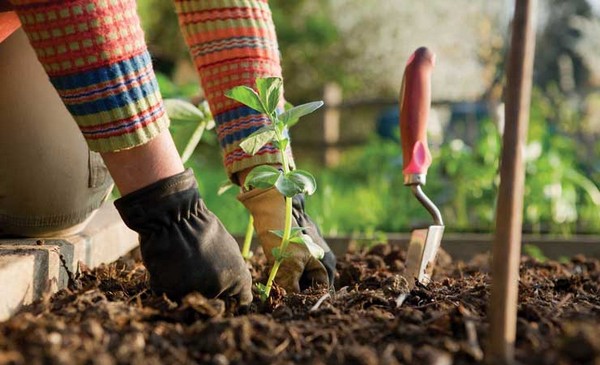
287	181
246	253
188	123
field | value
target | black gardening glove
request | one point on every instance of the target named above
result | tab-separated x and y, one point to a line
184	246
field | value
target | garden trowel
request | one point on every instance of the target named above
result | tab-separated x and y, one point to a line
415	100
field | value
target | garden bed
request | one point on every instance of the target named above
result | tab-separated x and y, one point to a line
109	316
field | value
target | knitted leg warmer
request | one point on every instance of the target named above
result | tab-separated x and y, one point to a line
232	42
95	55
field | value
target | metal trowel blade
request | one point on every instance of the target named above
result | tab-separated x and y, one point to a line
422	250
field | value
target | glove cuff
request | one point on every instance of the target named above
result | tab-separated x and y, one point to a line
267	206
160	203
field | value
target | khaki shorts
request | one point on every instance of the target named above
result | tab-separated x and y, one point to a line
50	183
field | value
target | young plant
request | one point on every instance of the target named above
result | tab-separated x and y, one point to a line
188	124
287	181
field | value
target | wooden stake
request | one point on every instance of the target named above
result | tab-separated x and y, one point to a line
332	96
509	214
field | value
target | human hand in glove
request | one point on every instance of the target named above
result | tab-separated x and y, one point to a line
300	269
184	246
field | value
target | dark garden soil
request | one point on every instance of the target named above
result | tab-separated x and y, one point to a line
110	317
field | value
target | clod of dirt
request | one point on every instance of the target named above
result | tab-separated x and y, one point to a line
111	317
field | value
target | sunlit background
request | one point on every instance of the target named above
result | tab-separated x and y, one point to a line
357	49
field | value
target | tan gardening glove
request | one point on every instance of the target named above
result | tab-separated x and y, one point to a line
300	270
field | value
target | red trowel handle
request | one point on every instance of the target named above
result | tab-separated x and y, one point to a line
415	101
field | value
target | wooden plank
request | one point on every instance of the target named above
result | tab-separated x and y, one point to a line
509	214
464	246
332	96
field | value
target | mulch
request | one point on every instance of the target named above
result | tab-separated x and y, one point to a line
109	316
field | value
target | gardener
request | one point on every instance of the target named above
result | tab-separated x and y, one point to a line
94	53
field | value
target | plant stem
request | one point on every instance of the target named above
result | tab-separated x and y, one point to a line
288	223
193	142
272	274
280	137
285	240
287	228
248	238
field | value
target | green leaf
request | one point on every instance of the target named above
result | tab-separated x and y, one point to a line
315	250
224	186
205	109
287	106
183	111
290	117
296	182
281	128
276	252
283	143
295	231
262	291
288	187
246	96
254	142
193	142
278	255
298	239
263	177
188	124
269	90
304	179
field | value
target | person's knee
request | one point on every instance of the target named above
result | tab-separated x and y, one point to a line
54	205
49	181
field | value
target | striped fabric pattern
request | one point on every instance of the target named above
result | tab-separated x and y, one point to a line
95	55
232	43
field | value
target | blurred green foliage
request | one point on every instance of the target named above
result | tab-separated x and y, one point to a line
534	252
188	124
169	89
307	35
561	195
365	193
162	33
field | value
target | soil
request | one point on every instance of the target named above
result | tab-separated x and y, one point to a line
109	316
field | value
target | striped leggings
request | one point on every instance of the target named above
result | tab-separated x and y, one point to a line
95	56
